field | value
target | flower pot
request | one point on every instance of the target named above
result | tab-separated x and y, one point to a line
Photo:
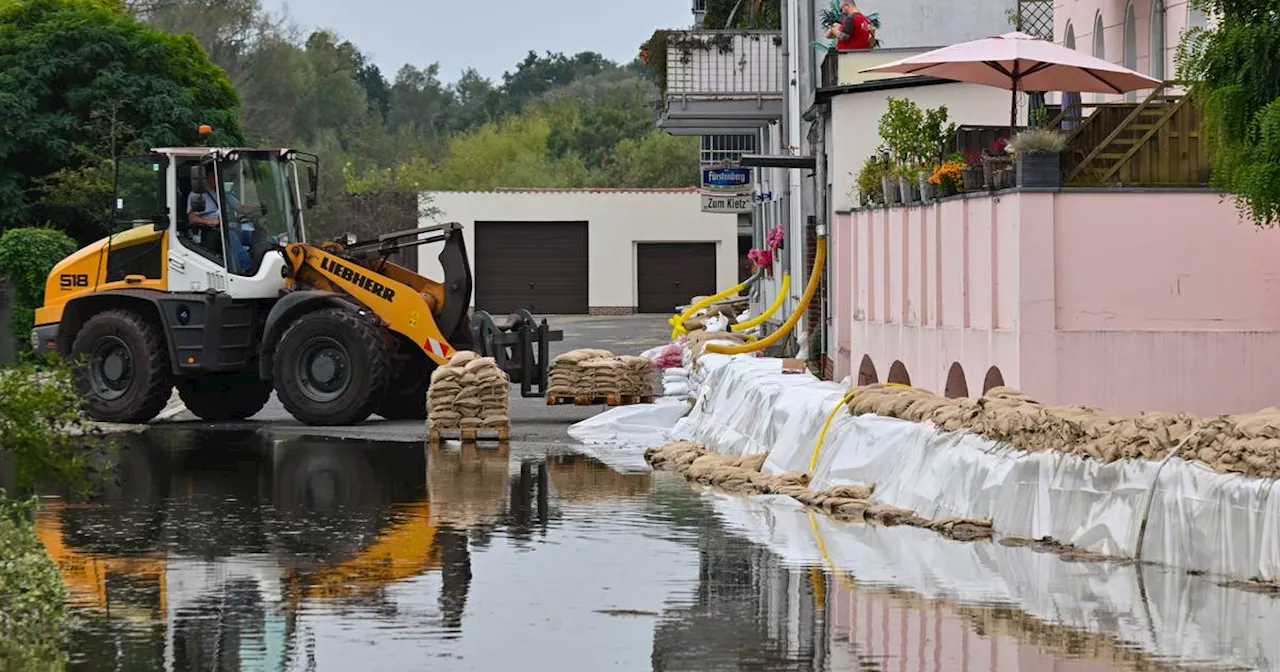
910	190
889	185
928	190
1039	170
973	178
991	165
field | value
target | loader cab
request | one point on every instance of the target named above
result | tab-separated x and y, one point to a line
254	196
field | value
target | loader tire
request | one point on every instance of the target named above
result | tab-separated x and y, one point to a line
225	396
124	374
331	368
406	397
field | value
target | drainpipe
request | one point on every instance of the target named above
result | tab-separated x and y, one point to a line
795	217
784	134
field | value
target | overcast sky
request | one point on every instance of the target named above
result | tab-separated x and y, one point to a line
491	37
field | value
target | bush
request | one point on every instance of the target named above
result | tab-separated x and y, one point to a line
26	257
33	614
46	435
869	183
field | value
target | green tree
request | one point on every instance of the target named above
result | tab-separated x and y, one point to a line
65	65
657	160
1237	63
536	75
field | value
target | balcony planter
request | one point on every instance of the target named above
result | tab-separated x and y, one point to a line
889	185
1039	170
910	190
928	191
973	178
991	166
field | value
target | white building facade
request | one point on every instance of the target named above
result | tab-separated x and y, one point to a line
586	251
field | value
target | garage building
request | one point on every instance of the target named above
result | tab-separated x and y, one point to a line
587	251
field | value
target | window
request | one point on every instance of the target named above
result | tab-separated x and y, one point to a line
1157	39
1130	46
722	148
1069	40
1195	17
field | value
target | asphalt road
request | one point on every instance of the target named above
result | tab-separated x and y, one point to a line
531	419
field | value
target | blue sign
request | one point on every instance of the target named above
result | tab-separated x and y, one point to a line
726	179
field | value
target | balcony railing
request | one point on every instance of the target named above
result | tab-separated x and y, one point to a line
724	64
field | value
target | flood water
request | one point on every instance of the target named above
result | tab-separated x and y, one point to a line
234	551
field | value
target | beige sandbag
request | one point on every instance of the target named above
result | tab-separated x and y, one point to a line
479	363
461	358
444	373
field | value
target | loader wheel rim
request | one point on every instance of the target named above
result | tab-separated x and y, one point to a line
324	370
110	368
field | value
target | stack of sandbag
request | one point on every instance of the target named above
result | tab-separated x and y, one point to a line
638	376
603	377
566	377
469	392
1246	444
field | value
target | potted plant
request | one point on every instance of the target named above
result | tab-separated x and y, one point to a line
1038	157
994	159
889	186
909	182
949	177
900	130
870	180
928	190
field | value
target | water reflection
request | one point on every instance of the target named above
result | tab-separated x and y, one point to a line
207	548
231	551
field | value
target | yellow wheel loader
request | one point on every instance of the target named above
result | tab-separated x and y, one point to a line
210	285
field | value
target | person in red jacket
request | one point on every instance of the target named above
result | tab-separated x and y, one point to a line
855	33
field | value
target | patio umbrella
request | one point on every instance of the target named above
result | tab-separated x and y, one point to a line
1020	62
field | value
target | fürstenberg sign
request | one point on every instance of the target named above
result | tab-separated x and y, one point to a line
726	188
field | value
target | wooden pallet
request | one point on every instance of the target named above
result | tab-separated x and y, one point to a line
603	400
469	434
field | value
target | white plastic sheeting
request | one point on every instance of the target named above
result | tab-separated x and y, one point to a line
619	436
1166	614
1198	519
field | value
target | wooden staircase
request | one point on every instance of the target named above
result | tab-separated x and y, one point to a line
1157	142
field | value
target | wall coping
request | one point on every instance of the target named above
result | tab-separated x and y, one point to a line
1033	190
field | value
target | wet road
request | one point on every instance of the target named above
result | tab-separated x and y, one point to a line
234	551
272	547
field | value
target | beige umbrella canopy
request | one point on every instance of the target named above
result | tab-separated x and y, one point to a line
1019	62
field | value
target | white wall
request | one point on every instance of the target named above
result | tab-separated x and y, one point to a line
855	121
927	23
617	220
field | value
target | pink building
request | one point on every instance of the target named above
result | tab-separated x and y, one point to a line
1134	287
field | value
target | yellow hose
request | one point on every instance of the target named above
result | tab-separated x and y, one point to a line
813	458
677	321
790	324
773	308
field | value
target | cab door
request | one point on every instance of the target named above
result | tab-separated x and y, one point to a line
136	248
194	265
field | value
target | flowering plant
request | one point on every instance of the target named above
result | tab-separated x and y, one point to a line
949	176
773	239
763	257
